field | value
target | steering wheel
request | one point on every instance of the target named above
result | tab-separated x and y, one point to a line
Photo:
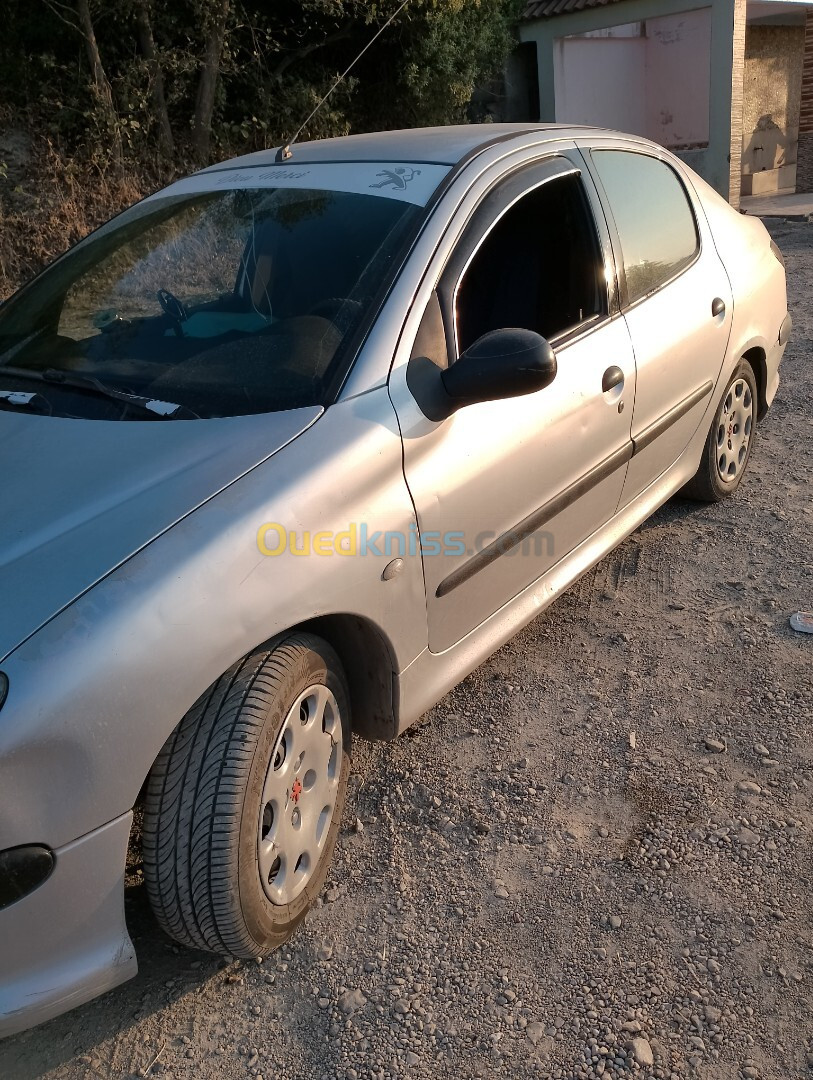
339	310
172	307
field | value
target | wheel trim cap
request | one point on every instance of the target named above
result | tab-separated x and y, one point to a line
299	794
734	426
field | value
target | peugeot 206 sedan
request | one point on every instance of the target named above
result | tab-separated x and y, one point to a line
288	449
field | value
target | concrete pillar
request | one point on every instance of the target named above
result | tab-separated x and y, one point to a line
804	166
721	162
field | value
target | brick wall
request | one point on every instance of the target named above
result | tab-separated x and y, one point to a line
737	80
804	167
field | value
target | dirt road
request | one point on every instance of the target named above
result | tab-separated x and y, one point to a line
592	859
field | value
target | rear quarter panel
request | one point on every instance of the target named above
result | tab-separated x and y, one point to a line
757	282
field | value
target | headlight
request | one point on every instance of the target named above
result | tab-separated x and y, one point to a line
23	869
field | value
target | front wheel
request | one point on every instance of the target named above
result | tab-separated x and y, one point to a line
729	442
244	802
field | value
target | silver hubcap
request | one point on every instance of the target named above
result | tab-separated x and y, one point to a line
734	430
299	794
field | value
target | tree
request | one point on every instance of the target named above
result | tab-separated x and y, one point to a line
140	90
216	13
101	84
146	42
171	84
427	70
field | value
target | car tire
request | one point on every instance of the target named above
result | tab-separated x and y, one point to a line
730	440
244	802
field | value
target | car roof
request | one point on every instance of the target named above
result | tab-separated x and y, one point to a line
437	145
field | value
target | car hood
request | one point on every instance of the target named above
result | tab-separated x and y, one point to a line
81	496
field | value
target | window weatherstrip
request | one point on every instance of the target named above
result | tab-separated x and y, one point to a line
558	170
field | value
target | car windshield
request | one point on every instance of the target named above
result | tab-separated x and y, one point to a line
233	292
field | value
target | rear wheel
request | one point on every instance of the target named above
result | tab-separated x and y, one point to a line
244	802
729	441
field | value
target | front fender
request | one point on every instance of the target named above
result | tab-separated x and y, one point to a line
94	694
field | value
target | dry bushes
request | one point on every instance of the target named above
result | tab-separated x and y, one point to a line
49	201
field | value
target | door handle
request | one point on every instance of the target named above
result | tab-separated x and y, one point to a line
717	307
613	377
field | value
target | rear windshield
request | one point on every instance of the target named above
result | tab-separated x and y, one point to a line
227	294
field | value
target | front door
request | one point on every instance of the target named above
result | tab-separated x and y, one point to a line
504	489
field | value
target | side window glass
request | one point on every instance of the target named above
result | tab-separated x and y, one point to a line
539	268
431	337
655	222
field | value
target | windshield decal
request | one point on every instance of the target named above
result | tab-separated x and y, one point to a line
397	178
403	182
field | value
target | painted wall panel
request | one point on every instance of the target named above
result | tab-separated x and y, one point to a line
720	163
678	68
648	78
602	81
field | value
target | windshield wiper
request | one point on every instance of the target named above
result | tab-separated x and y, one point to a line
164	410
19	400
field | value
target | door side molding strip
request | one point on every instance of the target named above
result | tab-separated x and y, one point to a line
663	423
535	520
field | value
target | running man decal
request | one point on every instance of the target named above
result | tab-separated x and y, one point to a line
397	178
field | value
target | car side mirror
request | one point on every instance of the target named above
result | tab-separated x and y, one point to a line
500	364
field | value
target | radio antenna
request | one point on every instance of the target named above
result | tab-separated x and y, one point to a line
286	152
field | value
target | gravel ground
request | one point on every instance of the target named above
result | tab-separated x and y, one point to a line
591	859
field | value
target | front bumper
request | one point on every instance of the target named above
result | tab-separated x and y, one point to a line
66	942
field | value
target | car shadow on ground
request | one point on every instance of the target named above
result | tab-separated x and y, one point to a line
168	972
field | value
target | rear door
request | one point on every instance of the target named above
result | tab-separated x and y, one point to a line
676	299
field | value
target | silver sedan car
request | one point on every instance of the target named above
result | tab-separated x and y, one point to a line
289	448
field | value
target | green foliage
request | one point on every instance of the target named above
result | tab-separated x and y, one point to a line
273	62
114	100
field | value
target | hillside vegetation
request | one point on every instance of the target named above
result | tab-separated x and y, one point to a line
105	100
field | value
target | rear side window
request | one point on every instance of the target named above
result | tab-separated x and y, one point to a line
655	222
